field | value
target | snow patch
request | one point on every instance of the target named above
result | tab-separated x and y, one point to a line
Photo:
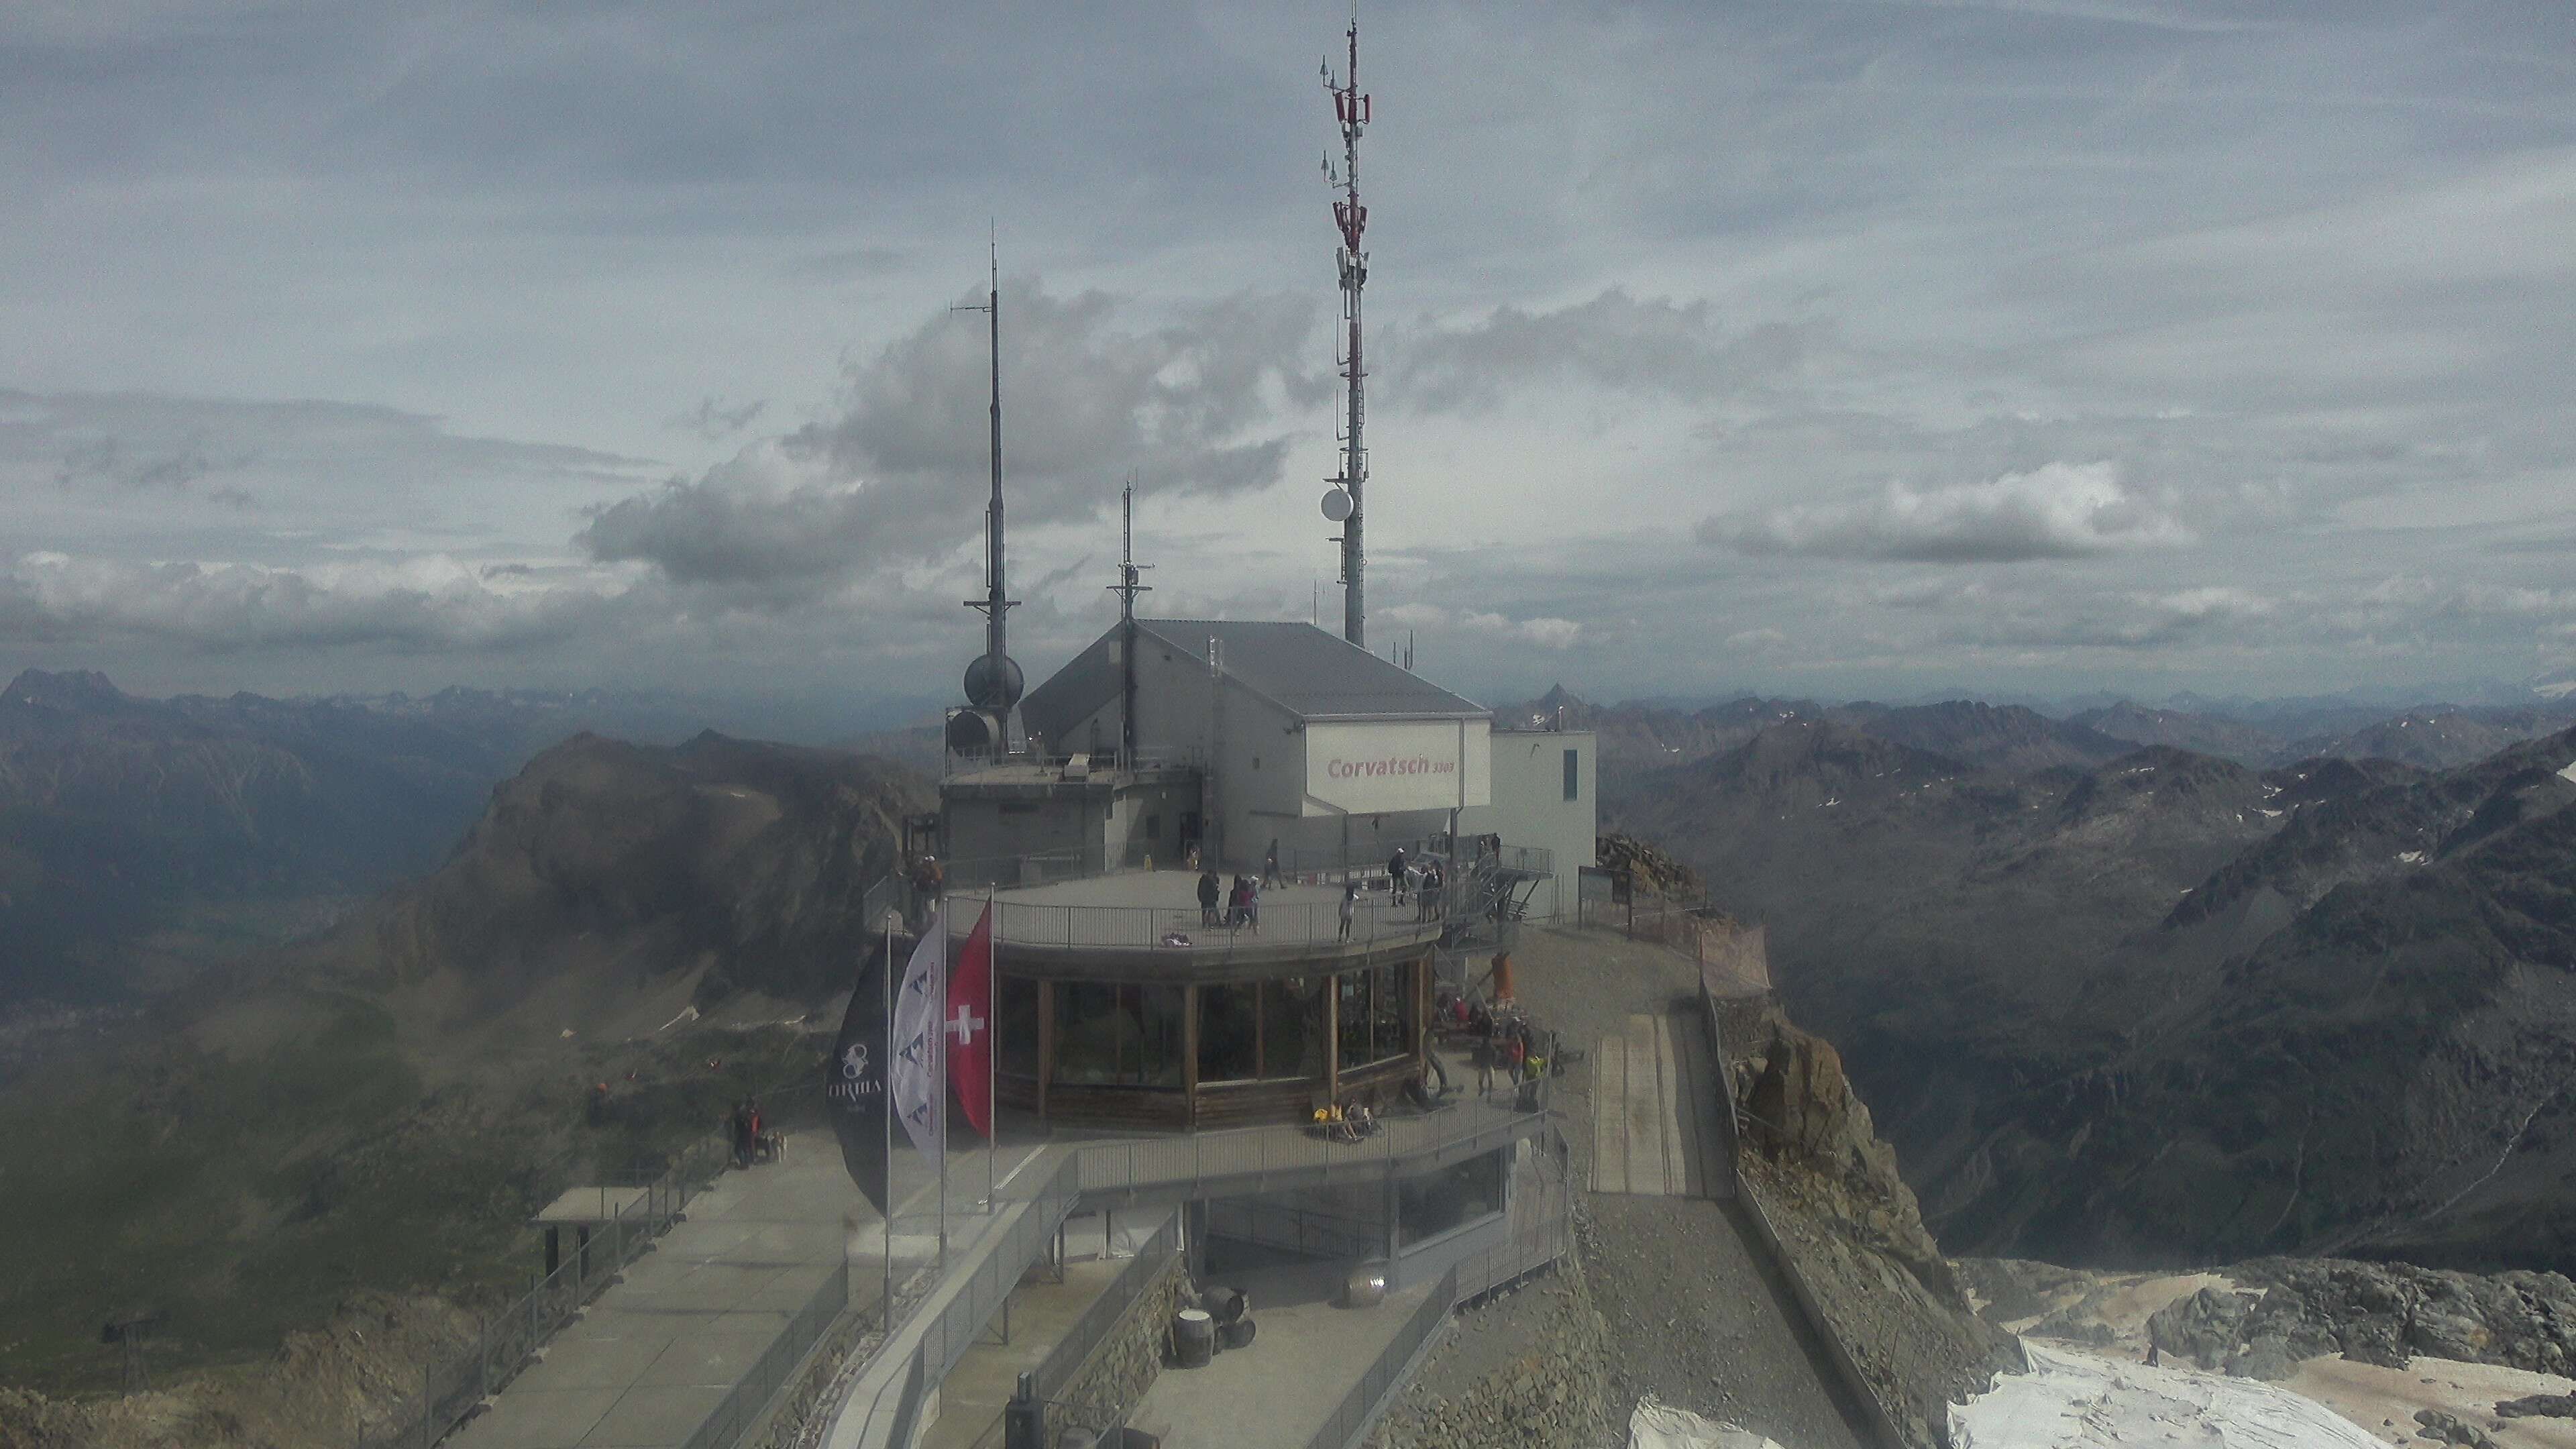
2412	857
2076	1400
2267	814
2569	773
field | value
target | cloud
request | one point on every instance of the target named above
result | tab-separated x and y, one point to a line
1090	394
1652	347
714	418
420	605
2061	510
1545	630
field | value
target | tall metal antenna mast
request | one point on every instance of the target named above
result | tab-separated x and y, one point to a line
1351	109
994	681
1127	588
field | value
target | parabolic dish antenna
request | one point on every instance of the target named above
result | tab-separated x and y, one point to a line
1337	504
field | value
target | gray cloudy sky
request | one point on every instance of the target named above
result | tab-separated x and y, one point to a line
1827	348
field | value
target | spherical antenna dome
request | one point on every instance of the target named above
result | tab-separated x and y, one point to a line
993	682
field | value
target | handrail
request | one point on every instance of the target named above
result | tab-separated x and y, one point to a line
452	1387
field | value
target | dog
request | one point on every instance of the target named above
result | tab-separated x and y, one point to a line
771	1146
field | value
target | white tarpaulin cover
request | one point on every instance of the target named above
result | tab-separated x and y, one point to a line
2074	1400
1658	1425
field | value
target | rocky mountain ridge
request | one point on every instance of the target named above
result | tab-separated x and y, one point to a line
2170	1007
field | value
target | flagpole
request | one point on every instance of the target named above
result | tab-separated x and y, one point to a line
939	1091
992	1055
885	1305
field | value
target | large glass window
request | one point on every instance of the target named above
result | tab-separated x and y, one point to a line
1435	1203
1122	1036
1376	1014
1292	1028
1015	1039
1229	1033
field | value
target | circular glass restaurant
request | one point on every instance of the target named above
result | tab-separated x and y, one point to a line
1220	1027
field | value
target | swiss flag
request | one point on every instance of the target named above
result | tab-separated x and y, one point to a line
969	1026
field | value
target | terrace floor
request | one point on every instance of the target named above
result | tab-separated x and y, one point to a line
1148	908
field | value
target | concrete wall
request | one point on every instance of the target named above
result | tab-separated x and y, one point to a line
1529	806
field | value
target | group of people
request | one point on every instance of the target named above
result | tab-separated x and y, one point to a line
1242	902
1418	881
747	1131
1501	1045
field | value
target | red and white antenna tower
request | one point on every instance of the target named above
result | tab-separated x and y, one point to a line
1343	504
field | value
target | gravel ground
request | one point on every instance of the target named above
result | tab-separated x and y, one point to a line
1692	1316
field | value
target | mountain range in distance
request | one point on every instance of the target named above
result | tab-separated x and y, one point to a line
1638	735
2123	1002
141	838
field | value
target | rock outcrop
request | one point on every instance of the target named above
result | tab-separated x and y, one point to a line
1830	1188
2288	1309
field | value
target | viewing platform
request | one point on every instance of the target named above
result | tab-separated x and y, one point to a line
1147	925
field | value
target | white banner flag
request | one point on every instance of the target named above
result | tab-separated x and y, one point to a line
914	1077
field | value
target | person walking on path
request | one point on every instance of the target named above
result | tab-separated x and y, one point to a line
1208	893
1395	876
1483	1056
1252	903
1270	864
1350	905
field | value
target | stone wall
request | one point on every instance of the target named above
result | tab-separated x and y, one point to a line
1119	1371
1554	1394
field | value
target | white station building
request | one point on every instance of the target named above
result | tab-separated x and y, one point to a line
1254	737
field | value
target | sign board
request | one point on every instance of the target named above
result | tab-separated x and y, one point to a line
1382	767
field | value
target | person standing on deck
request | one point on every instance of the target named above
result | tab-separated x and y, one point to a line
1395	876
1350	905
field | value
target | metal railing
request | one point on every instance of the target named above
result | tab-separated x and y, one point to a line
1351	1416
453	1386
954	1328
1309	1232
750	1396
1275	925
1453	1132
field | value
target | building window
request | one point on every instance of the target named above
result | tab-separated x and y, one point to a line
1573	777
1015	1032
1376	1015
1118	1036
1292	1028
1229	1033
1443	1201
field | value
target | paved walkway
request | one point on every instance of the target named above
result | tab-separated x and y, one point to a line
656	1354
1138	908
1652	1099
1304	1356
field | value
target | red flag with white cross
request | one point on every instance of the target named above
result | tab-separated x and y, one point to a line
969	1026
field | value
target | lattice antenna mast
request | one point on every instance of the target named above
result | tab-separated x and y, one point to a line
994	681
1127	588
1351	109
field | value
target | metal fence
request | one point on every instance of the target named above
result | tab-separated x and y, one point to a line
953	1330
1176	1167
750	1397
1351	1416
1276	924
453	1386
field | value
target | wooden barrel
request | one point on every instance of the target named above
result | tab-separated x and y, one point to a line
1193	1339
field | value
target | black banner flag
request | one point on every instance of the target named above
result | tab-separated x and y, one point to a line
854	1084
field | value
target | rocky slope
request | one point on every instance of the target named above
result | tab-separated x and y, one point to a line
380	1107
2169	1007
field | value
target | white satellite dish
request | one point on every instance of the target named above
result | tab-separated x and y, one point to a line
1337	504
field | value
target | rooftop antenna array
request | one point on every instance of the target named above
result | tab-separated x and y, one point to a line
993	682
1127	588
1342	504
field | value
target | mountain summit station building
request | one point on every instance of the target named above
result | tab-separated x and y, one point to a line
1255	749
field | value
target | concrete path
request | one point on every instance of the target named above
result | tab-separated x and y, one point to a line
1650	1105
1305	1355
658	1352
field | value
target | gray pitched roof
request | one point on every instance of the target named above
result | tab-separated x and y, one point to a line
1310	673
1306	671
